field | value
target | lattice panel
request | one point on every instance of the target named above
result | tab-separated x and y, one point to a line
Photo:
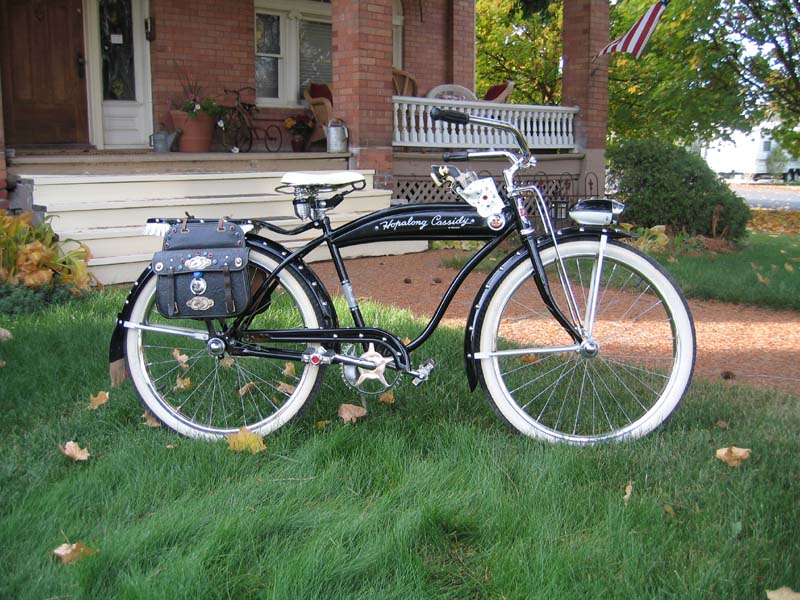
559	191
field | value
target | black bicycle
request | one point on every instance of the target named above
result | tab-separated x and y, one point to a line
575	336
239	128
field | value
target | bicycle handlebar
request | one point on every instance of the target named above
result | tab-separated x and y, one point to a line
461	118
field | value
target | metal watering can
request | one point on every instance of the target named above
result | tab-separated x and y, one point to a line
337	135
162	141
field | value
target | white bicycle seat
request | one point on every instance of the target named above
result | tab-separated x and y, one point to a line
320	179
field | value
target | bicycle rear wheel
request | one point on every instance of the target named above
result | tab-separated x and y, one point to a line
626	387
200	393
272	138
237	136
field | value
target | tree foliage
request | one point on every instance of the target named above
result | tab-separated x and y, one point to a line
521	41
711	67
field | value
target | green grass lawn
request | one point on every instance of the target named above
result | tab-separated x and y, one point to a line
764	270
428	498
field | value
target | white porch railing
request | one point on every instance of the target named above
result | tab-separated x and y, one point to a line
544	127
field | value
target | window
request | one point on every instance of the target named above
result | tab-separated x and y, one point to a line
292	48
767	145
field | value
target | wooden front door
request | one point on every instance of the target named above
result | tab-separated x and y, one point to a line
43	72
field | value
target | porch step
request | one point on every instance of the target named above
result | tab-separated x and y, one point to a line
125	269
108	212
148	162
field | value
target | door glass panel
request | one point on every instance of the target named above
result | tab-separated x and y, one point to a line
116	41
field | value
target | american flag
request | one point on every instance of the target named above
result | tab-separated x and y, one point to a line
637	37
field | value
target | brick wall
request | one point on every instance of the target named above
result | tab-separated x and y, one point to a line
209	41
585	82
439	42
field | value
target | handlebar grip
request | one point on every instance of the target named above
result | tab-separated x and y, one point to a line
455	156
450	116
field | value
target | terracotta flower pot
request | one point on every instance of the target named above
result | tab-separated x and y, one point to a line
196	132
298	143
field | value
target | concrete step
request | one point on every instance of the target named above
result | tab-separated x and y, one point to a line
125	269
62	192
76	216
99	162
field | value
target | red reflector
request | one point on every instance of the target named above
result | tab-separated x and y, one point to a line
315	360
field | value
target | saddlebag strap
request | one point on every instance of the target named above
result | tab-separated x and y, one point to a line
230	306
171	295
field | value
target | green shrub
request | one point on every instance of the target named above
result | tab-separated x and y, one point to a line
36	268
662	184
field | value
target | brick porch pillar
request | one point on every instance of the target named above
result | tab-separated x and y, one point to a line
362	82
585	84
3	167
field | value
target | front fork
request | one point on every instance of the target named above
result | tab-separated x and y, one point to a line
579	328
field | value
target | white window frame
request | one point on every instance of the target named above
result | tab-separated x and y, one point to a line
291	13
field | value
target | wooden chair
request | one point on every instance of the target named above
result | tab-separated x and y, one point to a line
403	83
320	99
500	92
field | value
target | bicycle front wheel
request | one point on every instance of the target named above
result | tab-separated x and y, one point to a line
624	384
199	392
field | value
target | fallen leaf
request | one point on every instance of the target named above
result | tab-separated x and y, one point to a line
323	424
669	510
762	279
171	446
75	452
2	364
387	397
97	401
286	388
289	371
755	266
784	593
246	441
227	362
181	358
788	267
529	359
406	341
722	424
182	383
672	259
351	413
247	387
733	456
728	375
5	335
796	259
71	552
150	420
628	492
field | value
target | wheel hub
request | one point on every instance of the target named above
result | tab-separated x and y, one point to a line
216	346
589	348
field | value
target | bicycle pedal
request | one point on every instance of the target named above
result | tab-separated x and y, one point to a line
422	373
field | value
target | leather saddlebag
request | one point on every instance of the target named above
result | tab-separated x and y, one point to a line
202	271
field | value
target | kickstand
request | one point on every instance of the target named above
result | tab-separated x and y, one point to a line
363	399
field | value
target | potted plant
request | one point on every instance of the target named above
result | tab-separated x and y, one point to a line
195	115
299	126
